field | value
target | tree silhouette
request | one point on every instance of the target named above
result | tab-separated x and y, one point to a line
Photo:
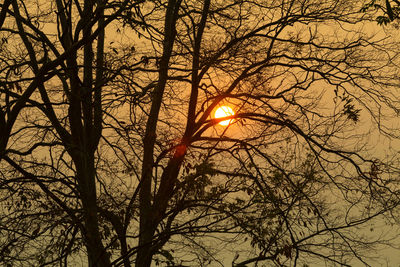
111	155
390	10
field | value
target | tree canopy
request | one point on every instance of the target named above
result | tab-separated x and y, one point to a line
111	155
389	11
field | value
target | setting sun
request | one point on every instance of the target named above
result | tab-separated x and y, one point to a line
224	111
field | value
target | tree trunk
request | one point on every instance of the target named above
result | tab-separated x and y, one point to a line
145	252
97	255
148	222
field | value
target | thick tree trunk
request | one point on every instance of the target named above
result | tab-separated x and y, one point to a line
97	256
148	222
146	251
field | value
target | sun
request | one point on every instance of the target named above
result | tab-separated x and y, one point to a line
224	111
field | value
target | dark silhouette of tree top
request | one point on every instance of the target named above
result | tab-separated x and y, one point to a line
111	154
390	9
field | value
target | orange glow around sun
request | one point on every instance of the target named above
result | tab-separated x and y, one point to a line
224	111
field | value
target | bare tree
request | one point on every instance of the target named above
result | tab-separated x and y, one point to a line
110	147
73	108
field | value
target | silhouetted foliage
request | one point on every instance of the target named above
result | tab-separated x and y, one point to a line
110	154
390	9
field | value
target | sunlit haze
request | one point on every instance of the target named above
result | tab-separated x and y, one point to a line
224	111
